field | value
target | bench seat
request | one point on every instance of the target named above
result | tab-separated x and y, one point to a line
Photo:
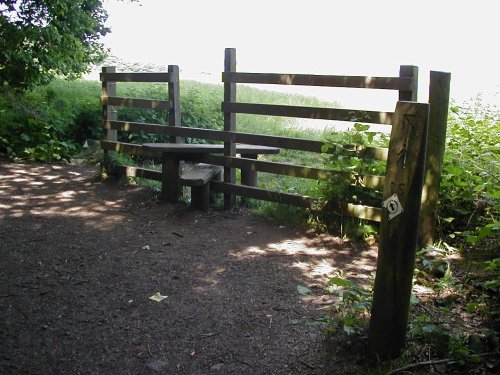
198	178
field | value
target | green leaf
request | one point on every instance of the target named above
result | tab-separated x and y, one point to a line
428	328
340	282
361	127
303	290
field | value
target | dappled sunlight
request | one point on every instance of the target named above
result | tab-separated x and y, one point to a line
317	258
30	192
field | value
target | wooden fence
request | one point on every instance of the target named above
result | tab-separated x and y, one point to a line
414	160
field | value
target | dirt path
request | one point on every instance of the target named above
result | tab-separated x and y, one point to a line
80	259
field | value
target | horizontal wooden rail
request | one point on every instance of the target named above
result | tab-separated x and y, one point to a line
351	210
262	194
369	181
136	77
137	103
125	170
337	114
128	148
363	212
387	83
299	144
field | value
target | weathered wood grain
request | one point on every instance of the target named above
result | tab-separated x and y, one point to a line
398	236
317	113
388	83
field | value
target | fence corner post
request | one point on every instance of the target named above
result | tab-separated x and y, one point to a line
439	97
398	230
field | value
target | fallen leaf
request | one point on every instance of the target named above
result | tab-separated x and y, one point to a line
157	297
303	290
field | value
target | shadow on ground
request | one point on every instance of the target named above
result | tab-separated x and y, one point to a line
80	259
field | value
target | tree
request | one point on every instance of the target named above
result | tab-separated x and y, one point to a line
43	39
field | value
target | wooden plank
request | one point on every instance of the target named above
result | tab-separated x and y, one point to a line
128	148
337	114
439	97
262	194
398	230
369	181
388	83
137	103
364	212
125	170
197	148
135	77
201	174
299	144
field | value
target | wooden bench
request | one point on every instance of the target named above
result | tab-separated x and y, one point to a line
198	179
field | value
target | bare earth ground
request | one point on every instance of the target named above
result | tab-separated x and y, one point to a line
80	259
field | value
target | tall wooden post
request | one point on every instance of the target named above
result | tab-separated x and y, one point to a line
229	124
439	97
398	230
174	114
109	112
409	71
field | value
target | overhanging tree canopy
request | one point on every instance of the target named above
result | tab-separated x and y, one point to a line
42	39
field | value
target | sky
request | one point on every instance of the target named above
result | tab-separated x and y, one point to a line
338	37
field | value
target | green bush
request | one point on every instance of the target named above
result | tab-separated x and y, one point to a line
470	185
33	127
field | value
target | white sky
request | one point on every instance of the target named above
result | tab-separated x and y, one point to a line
355	37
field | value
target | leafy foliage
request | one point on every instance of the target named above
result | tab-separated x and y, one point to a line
44	39
33	132
340	150
353	305
470	185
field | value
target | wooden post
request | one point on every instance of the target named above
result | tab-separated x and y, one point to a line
174	115
398	230
109	112
170	172
439	97
409	71
229	124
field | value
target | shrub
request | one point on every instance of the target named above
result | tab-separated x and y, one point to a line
470	185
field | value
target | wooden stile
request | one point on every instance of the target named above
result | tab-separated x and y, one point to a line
414	161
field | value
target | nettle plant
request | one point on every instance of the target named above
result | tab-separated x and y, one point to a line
352	306
339	154
470	184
